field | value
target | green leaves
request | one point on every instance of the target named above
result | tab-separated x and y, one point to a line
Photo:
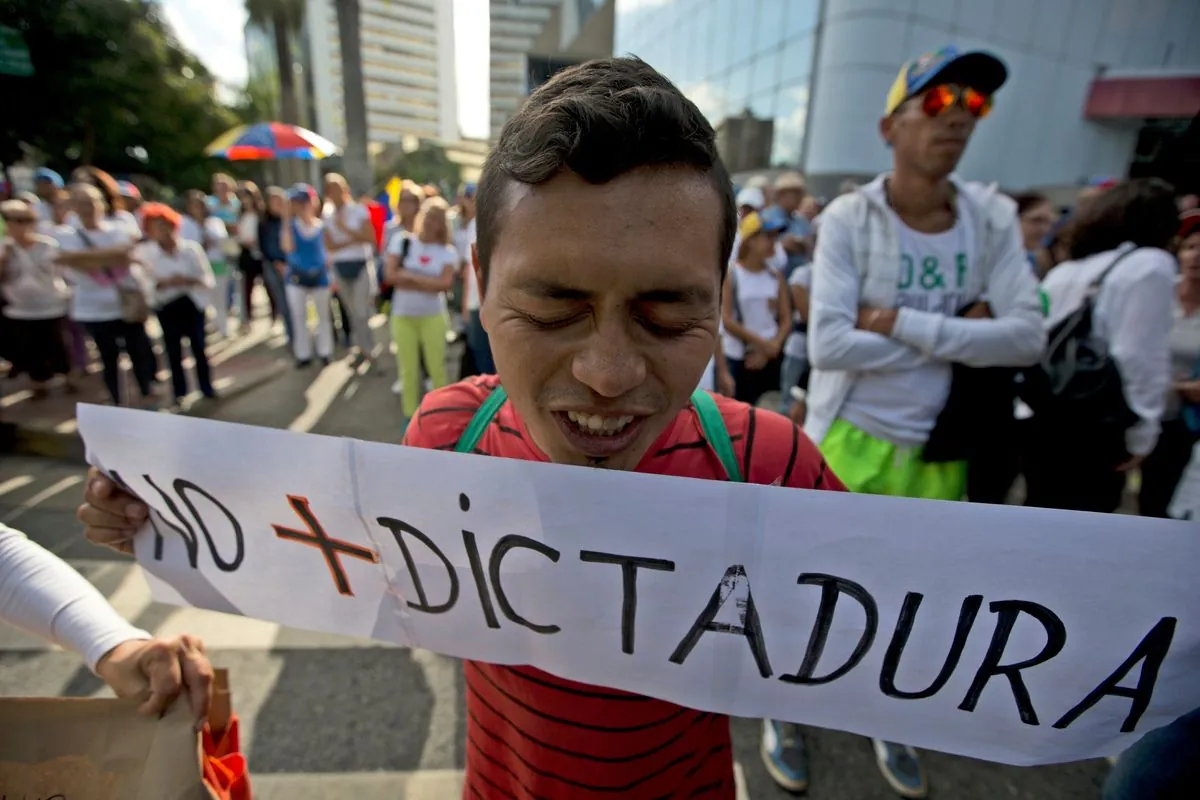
109	78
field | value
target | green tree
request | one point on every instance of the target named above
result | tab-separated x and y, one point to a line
259	101
283	18
111	87
428	163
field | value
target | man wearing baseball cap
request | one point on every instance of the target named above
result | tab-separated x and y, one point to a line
913	273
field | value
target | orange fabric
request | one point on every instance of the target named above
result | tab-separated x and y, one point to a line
225	769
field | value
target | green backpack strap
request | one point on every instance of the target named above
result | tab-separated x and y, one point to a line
706	409
483	417
716	433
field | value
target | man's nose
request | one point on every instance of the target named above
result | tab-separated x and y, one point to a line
610	364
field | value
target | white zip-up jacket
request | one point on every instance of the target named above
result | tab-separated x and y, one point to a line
866	273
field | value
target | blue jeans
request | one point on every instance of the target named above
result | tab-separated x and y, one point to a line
1163	765
481	348
790	374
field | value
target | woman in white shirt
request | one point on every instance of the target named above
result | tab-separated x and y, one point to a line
98	254
115	211
350	242
41	594
36	298
182	281
198	225
421	268
756	310
1120	241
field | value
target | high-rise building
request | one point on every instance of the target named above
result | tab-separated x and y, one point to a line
532	39
408	69
1103	87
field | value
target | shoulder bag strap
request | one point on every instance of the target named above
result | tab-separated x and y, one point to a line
713	426
483	417
1094	286
87	240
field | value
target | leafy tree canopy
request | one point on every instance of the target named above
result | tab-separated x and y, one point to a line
111	87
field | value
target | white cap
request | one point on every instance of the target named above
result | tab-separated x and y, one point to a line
751	196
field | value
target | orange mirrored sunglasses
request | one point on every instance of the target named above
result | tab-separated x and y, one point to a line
940	98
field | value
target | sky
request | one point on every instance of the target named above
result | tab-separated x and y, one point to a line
214	31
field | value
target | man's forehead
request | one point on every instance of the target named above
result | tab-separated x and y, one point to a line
668	196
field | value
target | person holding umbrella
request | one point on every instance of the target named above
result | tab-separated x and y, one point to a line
302	239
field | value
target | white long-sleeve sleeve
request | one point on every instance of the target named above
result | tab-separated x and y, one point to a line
1016	336
834	340
1139	317
40	593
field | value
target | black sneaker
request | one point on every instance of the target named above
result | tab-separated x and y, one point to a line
784	756
305	364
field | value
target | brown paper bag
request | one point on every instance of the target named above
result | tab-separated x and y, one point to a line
85	749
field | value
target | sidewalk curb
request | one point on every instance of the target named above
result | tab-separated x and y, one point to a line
23	441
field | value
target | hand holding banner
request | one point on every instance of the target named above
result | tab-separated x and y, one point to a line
1016	635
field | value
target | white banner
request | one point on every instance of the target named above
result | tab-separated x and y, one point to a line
1016	635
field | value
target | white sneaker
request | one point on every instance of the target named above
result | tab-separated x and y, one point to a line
396	388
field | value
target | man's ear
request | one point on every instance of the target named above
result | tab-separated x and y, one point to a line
885	128
478	282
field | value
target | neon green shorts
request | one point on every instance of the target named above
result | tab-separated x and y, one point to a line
872	466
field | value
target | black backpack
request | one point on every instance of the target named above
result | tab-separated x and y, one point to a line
1076	390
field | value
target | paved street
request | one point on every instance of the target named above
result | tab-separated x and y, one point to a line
329	717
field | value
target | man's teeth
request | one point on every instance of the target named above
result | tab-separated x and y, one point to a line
603	426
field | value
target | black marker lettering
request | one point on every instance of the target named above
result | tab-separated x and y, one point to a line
1152	649
904	625
629	568
831	587
481	586
495	563
1007	612
182	487
749	627
183	529
398	529
188	534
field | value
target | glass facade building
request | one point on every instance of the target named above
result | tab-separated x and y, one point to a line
802	83
747	64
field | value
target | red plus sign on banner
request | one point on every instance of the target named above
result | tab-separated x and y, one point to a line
332	549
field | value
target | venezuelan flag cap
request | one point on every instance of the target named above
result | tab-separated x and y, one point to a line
977	69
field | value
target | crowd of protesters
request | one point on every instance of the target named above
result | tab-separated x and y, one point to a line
89	260
915	325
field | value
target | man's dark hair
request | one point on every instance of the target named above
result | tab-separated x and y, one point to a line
1028	200
1141	211
600	120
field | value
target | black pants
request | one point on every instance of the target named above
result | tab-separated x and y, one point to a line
341	319
39	347
1163	468
180	319
1074	472
111	337
252	272
751	384
994	467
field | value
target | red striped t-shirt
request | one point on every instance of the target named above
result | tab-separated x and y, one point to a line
533	735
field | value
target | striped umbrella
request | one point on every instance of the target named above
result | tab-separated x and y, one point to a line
270	140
